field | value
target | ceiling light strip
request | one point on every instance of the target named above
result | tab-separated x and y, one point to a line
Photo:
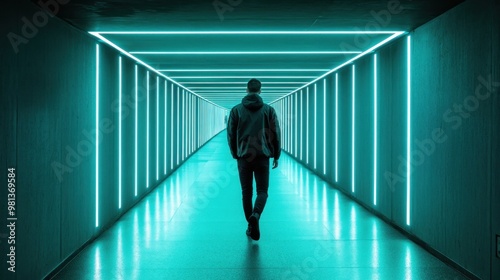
390	38
239	53
243	32
98	35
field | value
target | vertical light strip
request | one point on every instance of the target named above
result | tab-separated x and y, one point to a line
336	127
147	130
183	122
171	126
157	152
295	114
324	126
307	126
315	144
353	124
119	132
136	127
97	137
408	137
375	131
165	130
301	124
177	145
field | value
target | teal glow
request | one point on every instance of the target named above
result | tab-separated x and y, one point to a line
171	126
394	35
336	127
408	137
295	113
177	145
244	70
241	32
315	144
102	38
240	53
157	127
97	136
136	127
375	132
324	126
147	131
243	83
301	124
353	124
307	126
165	130
119	132
182	143
264	89
243	77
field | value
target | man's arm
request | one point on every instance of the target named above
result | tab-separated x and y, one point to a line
232	125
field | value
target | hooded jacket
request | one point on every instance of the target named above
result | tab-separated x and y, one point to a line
253	129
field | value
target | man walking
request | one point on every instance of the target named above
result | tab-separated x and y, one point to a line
253	134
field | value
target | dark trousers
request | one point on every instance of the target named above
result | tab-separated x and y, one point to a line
247	169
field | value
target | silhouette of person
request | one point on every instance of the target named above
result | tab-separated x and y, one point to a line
253	134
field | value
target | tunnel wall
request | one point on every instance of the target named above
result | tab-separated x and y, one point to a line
48	135
453	195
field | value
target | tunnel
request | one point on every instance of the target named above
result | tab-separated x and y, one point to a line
117	123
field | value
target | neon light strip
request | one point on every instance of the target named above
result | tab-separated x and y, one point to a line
228	88
147	132
97	138
353	124
296	125
301	124
157	127
184	122
178	124
370	50
165	131
324	126
119	132
375	132
242	83
336	127
241	32
172	127
315	144
408	144
239	53
307	126
244	70
136	127
98	35
243	77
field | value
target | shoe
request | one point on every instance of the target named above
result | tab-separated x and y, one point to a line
249	230
254	224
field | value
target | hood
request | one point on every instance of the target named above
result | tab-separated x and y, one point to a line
252	102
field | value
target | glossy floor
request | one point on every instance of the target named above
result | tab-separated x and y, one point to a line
192	227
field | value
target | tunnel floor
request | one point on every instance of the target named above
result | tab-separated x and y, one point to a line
192	227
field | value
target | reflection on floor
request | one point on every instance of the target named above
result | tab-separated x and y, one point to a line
193	227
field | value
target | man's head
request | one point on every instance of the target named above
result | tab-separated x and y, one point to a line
253	86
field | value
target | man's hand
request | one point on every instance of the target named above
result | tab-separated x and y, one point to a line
275	163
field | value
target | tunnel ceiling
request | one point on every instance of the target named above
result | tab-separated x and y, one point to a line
199	43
